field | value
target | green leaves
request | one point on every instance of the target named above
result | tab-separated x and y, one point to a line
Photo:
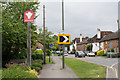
14	31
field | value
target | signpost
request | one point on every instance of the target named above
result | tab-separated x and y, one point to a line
63	38
28	17
51	45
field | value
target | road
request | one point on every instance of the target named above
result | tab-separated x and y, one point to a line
97	60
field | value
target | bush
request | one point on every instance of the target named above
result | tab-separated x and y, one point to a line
112	55
20	55
38	54
118	55
100	52
16	73
37	65
48	52
104	55
108	50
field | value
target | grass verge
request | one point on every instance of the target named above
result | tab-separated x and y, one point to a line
47	60
86	70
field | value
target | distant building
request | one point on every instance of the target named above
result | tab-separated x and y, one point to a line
110	40
95	39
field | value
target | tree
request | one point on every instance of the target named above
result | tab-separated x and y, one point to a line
73	48
89	47
14	30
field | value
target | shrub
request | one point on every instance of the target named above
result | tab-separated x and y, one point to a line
20	55
37	65
104	55
38	54
118	55
32	71
17	73
100	52
112	55
108	50
48	52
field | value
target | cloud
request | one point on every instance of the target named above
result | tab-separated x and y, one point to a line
80	17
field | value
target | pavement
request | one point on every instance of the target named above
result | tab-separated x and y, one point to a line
110	63
56	71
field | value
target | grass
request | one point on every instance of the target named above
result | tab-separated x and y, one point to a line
47	60
0	74
86	70
55	54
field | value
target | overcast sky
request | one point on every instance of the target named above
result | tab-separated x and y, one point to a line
80	17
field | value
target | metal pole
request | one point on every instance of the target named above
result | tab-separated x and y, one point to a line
44	33
28	44
63	30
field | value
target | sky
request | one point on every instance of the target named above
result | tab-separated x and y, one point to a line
80	17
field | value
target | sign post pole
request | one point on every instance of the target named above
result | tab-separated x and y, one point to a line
28	17
28	44
63	30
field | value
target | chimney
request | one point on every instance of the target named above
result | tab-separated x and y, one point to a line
80	37
98	33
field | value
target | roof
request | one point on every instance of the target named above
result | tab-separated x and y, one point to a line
83	42
110	37
77	40
103	33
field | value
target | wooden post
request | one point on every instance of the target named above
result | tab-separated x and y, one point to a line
28	44
44	33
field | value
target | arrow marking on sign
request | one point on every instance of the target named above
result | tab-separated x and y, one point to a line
66	39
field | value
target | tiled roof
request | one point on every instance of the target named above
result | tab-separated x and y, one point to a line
110	37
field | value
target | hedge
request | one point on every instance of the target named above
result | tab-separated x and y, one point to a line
100	52
38	54
16	73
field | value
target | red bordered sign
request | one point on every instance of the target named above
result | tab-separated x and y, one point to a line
29	16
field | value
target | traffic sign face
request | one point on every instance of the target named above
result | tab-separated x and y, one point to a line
51	45
28	16
63	38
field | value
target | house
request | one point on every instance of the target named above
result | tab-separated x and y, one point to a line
79	43
95	39
110	41
38	45
81	46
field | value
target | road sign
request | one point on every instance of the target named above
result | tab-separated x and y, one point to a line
63	38
51	45
28	16
110	46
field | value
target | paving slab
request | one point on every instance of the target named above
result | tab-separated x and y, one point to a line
56	71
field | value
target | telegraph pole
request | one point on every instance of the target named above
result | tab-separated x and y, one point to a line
44	33
63	32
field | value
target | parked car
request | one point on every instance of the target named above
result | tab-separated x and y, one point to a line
65	53
86	52
79	54
69	52
91	54
58	52
72	52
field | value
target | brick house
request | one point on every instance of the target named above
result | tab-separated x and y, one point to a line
95	39
111	39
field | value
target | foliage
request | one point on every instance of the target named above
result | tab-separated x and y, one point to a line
48	52
37	65
73	48
16	73
21	55
14	29
49	38
89	47
38	54
110	50
32	71
100	52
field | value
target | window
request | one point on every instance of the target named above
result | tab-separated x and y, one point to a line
105	42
